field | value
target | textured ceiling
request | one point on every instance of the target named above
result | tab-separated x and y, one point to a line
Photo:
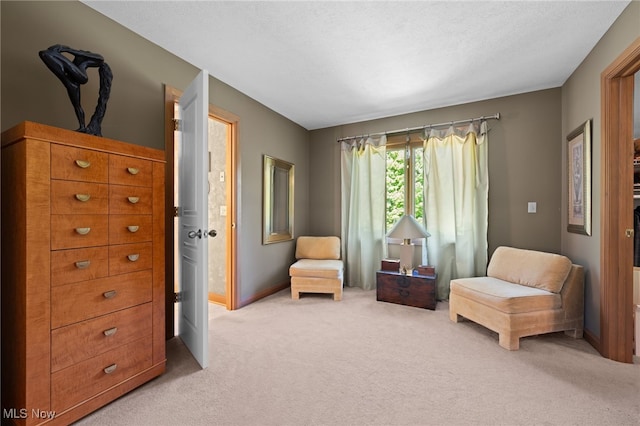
322	63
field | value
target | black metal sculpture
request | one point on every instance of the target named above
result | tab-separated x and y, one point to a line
73	73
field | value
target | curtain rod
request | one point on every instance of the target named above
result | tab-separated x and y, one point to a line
495	116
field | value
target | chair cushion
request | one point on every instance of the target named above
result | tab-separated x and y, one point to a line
546	271
317	268
505	296
318	248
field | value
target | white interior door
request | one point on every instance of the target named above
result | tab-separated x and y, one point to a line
193	217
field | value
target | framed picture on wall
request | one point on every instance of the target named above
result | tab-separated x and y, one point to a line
579	179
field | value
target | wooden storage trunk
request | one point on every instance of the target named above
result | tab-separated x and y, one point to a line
411	290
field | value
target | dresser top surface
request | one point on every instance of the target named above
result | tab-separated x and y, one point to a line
45	133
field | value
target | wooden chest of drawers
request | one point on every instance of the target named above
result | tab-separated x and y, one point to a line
82	273
411	290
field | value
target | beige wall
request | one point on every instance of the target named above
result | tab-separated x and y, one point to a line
524	165
218	133
135	112
580	102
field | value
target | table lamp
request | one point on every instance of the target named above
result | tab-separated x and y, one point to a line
406	229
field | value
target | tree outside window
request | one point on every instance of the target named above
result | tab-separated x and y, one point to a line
404	180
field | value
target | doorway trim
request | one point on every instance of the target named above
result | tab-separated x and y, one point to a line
616	248
171	96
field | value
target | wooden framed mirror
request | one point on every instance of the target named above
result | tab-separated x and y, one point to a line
277	200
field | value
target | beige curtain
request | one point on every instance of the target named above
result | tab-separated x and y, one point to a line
363	202
456	202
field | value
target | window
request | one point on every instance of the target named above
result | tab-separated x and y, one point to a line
404	179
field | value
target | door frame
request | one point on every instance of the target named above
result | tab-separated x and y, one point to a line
616	249
171	96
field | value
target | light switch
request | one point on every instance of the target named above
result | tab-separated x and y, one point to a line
221	176
223	210
532	206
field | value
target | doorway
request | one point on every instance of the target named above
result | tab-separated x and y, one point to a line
223	193
616	245
220	139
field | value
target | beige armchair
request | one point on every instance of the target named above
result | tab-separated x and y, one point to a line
525	293
318	268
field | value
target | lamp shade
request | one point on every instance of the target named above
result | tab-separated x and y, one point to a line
407	228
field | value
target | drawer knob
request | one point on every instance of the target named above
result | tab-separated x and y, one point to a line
110	369
133	170
109	294
83	197
110	331
133	257
133	228
133	200
83	231
83	264
83	164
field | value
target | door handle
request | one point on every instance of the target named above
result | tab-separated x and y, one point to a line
193	234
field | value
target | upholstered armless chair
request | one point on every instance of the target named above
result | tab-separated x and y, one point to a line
318	268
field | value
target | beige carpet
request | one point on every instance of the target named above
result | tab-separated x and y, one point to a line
362	362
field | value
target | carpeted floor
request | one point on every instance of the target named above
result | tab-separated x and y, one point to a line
362	362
